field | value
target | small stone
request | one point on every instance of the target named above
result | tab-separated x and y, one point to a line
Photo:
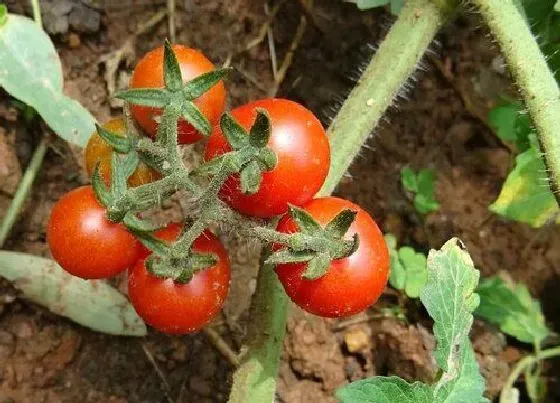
84	19
357	340
74	40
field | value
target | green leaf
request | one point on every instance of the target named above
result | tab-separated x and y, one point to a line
414	264
525	195
3	14
153	97
450	300
339	225
385	390
513	309
511	124
93	304
250	178
317	266
171	69
30	71
367	4
260	131
426	180
425	205
396	6
557	6
233	132
196	118
201	84
408	179
397	273
305	222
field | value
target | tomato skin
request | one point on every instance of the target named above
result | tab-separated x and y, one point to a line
181	308
84	242
97	150
148	73
301	146
351	284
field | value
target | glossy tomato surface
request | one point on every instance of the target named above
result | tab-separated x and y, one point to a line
84	242
351	284
303	153
177	308
148	73
97	150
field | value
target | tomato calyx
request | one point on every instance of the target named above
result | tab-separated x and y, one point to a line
316	245
176	92
164	262
250	156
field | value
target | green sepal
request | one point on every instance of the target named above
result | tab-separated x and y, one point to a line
351	246
157	246
171	69
317	267
118	143
195	263
3	14
101	190
136	224
233	132
201	84
122	167
193	115
268	158
250	178
153	97
287	255
304	221
154	266
339	225
210	167
260	131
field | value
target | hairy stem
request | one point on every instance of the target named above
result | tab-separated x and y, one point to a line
522	365
536	82
255	379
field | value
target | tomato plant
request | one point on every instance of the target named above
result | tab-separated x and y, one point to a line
173	307
99	151
84	242
148	73
351	284
303	158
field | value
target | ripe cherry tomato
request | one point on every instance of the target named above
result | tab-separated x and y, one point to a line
181	308
351	284
148	73
97	150
302	149
84	242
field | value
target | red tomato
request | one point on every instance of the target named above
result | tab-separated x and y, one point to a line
84	242
302	148
97	150
351	284
181	308
148	73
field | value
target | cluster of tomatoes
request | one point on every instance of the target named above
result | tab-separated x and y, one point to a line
87	244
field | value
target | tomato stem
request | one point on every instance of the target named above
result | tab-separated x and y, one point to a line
255	379
536	82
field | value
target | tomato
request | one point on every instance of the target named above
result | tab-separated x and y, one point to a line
177	308
303	154
84	242
97	150
148	73
351	284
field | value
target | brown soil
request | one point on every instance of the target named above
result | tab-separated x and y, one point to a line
439	123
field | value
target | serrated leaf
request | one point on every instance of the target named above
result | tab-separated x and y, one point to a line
201	84
525	195
414	264
31	72
450	300
408	179
513	309
171	69
385	390
93	304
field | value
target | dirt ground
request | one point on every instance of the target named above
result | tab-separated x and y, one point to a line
440	122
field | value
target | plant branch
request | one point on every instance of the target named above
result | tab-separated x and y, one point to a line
37	12
536	82
255	379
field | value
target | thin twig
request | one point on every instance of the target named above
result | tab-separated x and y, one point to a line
263	30
37	12
159	372
171	19
222	346
271	47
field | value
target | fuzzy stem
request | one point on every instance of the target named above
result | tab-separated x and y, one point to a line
536	82
524	364
255	379
395	60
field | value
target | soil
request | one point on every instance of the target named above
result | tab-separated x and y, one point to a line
438	122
